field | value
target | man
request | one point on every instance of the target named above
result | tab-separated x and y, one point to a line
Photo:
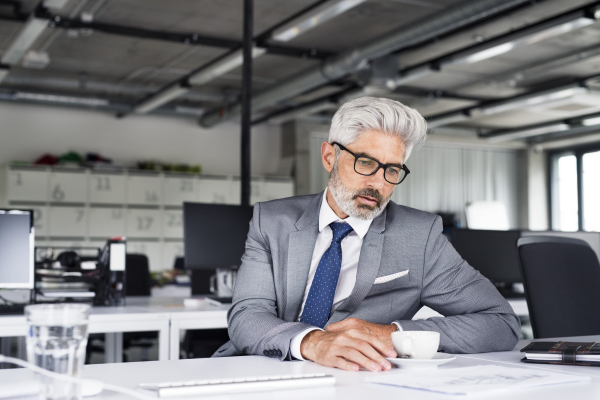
329	277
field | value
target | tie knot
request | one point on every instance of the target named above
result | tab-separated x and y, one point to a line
340	230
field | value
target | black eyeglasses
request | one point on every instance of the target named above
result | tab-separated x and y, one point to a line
369	166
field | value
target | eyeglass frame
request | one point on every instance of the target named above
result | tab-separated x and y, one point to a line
381	165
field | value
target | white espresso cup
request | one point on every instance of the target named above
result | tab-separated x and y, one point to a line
416	344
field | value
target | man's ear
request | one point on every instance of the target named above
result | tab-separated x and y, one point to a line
328	156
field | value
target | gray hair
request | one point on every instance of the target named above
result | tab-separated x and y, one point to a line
378	114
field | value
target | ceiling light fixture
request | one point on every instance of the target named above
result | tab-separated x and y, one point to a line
534	100
527	37
591	121
222	66
31	30
526	133
52	98
314	18
160	98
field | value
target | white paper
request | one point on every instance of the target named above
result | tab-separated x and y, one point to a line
475	380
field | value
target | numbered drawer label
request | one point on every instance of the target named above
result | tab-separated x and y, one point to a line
107	189
215	191
68	187
152	250
107	222
28	185
171	250
40	221
144	190
143	223
68	221
173	224
178	190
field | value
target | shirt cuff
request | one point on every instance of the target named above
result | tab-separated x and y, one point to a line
398	325
297	340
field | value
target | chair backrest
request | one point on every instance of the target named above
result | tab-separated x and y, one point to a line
137	275
561	277
179	263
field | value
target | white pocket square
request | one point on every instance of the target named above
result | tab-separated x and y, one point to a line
387	278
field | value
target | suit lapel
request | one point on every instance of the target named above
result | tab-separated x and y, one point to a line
368	266
300	250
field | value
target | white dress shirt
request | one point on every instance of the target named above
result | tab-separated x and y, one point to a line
351	246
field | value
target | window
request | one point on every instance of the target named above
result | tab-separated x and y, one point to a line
575	190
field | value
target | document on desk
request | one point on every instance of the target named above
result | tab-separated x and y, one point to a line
475	380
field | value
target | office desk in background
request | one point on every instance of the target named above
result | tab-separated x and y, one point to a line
113	321
170	318
349	385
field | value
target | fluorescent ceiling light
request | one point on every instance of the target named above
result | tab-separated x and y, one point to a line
434	123
525	133
32	29
51	98
413	75
534	100
299	112
316	17
222	66
591	121
527	39
161	98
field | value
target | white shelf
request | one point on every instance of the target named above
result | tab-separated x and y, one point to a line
81	207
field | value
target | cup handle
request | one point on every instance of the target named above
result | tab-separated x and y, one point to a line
212	283
407	346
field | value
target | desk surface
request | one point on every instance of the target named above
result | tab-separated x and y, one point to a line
349	385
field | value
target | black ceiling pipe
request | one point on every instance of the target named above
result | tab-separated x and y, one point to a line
247	100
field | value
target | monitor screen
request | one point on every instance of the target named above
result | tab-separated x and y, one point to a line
214	234
493	253
16	249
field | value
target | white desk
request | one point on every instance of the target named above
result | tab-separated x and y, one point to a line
182	318
113	321
169	317
349	385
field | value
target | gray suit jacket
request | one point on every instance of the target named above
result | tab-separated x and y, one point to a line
273	275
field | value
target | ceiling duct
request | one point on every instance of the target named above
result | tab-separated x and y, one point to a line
495	47
314	18
338	66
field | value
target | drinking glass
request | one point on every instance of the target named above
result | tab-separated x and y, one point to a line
56	340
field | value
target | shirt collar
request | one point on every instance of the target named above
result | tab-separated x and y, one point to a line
327	216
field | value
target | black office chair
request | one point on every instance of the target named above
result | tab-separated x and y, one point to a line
562	280
137	275
138	283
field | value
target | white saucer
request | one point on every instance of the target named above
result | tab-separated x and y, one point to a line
409	363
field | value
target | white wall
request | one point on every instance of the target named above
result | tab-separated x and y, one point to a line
28	131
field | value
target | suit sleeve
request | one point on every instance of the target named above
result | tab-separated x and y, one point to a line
477	318
254	327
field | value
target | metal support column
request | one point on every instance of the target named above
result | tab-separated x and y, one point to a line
246	100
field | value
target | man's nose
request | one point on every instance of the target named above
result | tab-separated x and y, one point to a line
377	180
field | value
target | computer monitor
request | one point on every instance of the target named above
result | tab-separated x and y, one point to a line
16	249
493	253
214	234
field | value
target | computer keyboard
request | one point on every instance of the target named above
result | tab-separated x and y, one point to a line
248	384
12	309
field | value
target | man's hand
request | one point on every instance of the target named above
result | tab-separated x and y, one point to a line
351	344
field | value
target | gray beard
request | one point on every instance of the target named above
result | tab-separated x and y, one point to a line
345	198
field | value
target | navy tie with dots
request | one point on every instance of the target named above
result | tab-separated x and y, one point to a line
320	296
